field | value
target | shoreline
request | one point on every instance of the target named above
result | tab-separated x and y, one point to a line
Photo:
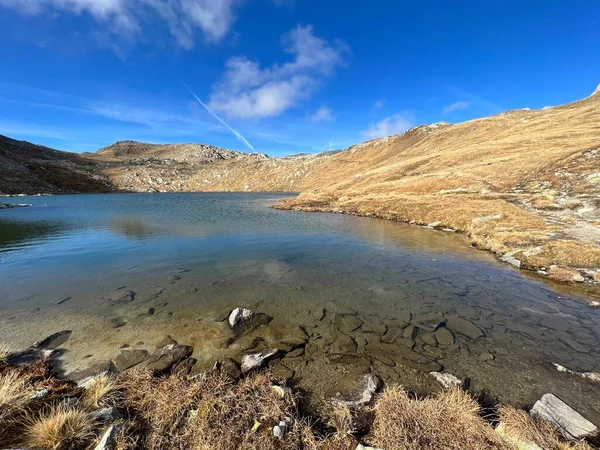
515	257
253	403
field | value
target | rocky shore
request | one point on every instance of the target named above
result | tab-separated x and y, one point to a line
115	402
12	205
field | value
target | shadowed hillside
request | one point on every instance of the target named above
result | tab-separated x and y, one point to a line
27	168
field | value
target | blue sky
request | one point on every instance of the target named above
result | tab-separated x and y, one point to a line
282	76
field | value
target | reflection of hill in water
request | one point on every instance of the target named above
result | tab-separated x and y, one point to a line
20	234
135	228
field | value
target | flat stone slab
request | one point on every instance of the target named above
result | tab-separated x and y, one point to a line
464	327
571	424
54	340
163	359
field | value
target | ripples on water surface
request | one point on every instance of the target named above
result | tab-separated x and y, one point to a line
188	257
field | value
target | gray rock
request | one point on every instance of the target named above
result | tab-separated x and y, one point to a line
109	414
53	341
571	424
130	358
429	338
350	323
510	259
117	322
184	367
253	361
429	321
164	359
229	368
243	321
464	327
444	336
447	380
109	438
124	298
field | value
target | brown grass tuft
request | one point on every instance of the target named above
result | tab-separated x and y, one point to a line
450	421
61	428
101	392
6	350
522	426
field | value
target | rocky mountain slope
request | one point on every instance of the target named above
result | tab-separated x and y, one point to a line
30	169
524	184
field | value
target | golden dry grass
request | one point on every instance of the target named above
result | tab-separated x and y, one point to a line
450	421
100	392
61	428
521	426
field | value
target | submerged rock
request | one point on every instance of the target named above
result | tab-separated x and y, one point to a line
243	321
570	423
253	361
53	341
447	380
464	327
364	392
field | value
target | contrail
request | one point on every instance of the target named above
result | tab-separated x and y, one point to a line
237	135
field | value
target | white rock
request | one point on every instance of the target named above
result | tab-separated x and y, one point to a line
108	441
253	361
486	218
594	376
362	447
447	380
595	304
278	432
510	259
237	315
570	423
434	224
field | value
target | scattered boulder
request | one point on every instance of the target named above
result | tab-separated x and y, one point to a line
163	359
570	423
53	341
253	361
129	358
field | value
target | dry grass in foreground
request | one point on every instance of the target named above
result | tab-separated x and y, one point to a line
209	411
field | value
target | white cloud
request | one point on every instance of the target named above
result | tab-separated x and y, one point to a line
128	18
248	90
323	113
395	124
456	106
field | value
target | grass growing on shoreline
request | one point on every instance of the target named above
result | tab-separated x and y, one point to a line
209	411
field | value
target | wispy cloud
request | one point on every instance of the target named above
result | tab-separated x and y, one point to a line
395	124
322	114
132	18
456	106
235	133
249	91
378	104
